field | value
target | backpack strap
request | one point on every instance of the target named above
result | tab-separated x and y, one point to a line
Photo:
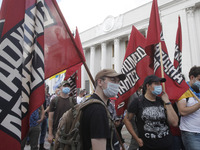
72	102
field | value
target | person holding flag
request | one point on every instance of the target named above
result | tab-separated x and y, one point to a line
190	112
154	115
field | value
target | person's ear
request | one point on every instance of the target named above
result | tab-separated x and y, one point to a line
191	77
100	82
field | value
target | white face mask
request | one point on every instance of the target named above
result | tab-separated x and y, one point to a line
111	90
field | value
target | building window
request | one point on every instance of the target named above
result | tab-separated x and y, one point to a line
113	51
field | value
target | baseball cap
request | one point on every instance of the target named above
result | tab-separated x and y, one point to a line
153	78
65	82
109	73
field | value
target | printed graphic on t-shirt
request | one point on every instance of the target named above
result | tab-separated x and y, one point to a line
154	122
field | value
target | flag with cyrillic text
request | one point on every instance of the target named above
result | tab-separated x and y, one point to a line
136	68
174	80
178	48
22	68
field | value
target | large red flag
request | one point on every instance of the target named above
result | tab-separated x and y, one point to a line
76	68
175	81
22	68
136	68
178	48
61	50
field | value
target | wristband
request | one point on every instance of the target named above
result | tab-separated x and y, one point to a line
168	103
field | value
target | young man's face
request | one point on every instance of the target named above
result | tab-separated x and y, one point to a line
151	87
110	79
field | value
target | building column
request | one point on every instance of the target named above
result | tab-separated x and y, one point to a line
92	63
117	55
83	75
192	36
103	55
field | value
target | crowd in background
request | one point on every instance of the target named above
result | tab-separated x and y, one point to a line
153	121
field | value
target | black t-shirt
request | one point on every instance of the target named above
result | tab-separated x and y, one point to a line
151	122
59	106
94	124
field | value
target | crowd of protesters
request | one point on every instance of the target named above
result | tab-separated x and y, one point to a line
152	120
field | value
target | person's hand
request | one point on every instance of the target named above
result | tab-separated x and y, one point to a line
165	97
40	120
140	142
50	138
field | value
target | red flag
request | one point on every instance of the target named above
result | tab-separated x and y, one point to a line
71	71
76	68
178	48
61	50
22	68
135	61
78	43
175	81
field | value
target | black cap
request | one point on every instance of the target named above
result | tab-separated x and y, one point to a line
153	78
65	82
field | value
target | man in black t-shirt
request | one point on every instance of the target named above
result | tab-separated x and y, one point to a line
95	130
58	106
153	118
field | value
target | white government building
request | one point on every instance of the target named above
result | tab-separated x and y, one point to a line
105	44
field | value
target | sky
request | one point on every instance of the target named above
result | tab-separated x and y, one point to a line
85	14
88	13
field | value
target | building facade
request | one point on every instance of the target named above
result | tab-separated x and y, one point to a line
105	44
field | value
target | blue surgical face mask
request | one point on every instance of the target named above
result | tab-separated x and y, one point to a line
157	90
197	83
111	90
66	90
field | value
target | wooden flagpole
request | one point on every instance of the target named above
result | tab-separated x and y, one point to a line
194	95
161	65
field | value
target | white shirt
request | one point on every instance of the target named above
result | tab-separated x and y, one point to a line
79	99
191	122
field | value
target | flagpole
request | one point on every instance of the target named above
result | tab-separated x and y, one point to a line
194	95
71	36
161	64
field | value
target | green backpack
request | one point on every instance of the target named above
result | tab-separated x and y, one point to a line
68	136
